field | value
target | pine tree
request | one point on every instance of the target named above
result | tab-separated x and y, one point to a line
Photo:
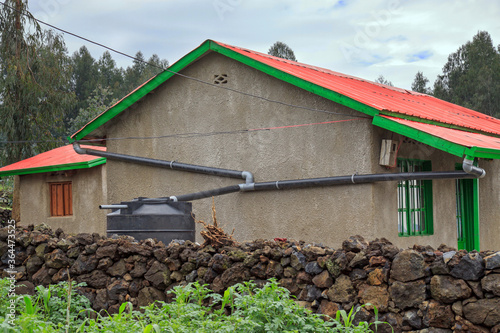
471	76
419	84
382	80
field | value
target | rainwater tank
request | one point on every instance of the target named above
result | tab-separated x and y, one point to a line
159	218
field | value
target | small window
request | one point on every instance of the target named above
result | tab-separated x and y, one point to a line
61	199
414	201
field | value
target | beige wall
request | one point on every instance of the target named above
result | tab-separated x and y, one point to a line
328	215
88	194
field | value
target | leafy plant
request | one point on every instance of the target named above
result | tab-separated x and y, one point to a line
6	192
241	308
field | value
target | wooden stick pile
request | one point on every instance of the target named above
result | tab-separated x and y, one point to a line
213	234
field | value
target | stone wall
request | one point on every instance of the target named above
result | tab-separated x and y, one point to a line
5	215
418	289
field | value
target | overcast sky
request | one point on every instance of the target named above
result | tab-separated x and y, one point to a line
395	38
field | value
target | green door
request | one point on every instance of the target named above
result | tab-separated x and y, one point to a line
467	214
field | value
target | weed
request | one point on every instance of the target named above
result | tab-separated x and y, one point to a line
195	308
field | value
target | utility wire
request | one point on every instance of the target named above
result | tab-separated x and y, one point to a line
179	74
186	135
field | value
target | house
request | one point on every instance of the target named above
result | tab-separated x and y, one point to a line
60	188
318	155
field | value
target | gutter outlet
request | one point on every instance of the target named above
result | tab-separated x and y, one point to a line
469	167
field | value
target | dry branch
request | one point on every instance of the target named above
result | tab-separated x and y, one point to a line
213	234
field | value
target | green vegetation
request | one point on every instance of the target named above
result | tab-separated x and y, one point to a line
6	192
242	308
44	91
280	49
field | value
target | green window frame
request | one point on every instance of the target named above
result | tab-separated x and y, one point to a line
415	213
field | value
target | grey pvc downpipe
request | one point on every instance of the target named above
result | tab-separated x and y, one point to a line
246	175
470	168
326	181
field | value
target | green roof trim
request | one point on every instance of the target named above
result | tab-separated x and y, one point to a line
432	122
301	83
483	152
52	168
431	140
434	141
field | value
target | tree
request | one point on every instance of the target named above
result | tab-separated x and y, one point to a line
471	76
34	83
84	77
381	79
282	50
109	75
98	102
154	66
419	84
142	70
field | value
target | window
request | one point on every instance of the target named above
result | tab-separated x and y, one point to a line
414	200
61	199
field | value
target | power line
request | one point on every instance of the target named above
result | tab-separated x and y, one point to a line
179	74
191	134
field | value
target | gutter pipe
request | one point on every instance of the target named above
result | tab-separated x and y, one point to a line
469	167
247	176
469	171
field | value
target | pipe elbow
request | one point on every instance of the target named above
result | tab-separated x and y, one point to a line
78	149
470	168
248	176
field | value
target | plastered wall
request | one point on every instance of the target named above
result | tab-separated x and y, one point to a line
88	193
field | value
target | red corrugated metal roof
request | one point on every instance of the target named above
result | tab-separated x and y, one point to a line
379	96
462	138
62	156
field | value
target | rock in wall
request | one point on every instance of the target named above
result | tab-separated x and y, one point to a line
418	289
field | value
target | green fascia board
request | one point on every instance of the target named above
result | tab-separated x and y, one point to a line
432	122
434	141
428	139
52	168
483	152
301	83
141	91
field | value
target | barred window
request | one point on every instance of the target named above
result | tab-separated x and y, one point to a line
414	200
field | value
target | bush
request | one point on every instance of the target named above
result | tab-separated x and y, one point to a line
242	308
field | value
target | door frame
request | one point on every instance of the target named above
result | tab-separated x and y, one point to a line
467	198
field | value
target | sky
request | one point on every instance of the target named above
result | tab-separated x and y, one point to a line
393	38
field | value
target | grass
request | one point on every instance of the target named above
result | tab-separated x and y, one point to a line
195	308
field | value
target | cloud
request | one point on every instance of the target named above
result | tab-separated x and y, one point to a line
395	38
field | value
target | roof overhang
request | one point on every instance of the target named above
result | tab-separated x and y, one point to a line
456	142
58	159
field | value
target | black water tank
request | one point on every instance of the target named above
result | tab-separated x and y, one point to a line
159	218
